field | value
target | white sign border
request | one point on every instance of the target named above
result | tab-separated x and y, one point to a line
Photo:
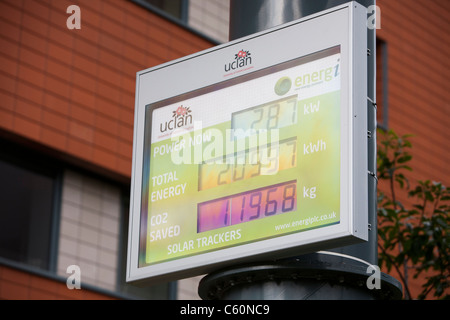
343	25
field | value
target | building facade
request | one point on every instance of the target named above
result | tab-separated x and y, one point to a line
66	125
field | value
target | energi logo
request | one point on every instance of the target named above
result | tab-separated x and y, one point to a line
307	79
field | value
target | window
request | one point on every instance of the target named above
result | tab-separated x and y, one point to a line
93	234
206	18
175	8
382	84
160	291
53	216
28	197
89	228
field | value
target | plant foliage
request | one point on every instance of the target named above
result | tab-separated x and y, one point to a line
412	238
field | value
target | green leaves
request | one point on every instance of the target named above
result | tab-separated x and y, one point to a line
392	156
414	238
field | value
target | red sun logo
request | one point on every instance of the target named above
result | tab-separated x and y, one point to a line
181	112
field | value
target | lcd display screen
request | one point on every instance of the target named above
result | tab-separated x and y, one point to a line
250	158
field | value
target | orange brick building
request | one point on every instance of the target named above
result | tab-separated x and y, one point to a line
66	126
416	37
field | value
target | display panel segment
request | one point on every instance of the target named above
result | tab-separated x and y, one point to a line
272	115
264	158
248	164
248	171
247	206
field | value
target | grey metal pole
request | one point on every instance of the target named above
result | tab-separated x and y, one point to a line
247	17
340	273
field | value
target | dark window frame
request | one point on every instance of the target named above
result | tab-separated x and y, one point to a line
31	157
122	286
383	79
183	22
121	290
19	156
184	10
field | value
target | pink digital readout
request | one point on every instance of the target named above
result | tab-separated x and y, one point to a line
247	206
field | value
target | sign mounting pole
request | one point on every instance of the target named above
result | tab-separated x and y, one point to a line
339	273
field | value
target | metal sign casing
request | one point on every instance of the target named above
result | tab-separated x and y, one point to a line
252	150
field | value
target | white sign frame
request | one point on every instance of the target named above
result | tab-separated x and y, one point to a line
344	26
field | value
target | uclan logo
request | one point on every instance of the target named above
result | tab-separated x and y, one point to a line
181	117
241	59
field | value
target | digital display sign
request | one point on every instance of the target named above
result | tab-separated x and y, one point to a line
259	160
248	172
